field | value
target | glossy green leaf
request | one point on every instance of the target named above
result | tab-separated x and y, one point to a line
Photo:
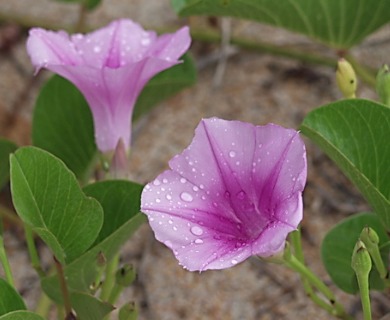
120	200
47	196
88	307
355	134
6	148
82	272
90	4
63	125
165	85
338	23
337	249
21	315
10	300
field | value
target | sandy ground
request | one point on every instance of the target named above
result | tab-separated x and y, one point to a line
257	88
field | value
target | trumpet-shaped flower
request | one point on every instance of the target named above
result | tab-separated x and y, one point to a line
236	191
110	66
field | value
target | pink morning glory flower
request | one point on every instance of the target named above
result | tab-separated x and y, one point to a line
110	66
236	191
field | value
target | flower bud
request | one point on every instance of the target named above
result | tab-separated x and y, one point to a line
361	260
128	312
125	276
346	78
371	240
383	84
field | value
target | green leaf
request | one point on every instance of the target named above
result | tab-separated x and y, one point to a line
21	315
164	85
338	23
47	196
90	4
82	272
88	307
10	300
120	200
355	134
337	249
6	148
121	221
63	125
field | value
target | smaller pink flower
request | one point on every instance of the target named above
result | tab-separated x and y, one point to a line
110	66
236	191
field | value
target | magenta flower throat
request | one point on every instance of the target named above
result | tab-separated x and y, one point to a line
110	67
236	191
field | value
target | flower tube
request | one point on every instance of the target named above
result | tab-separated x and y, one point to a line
110	66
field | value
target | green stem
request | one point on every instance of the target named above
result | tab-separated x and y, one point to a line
296	242
32	250
10	216
365	297
64	287
4	258
109	281
43	305
115	293
207	35
312	279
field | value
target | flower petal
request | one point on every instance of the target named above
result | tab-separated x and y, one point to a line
218	188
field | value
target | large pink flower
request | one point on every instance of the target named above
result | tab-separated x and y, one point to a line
110	67
236	191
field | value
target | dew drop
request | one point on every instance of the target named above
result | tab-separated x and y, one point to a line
183	180
168	196
158	200
97	49
168	244
197	231
198	241
145	41
227	194
232	154
165	180
156	182
241	195
170	221
234	261
195	188
185	196
201	186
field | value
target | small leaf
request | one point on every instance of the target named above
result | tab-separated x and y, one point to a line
6	148
88	307
338	23
338	246
10	300
63	125
355	134
47	196
164	85
82	272
21	315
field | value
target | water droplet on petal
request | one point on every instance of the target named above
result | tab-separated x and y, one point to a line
145	41
232	154
185	196
97	49
168	244
198	241
234	261
241	195
227	194
156	182
197	231
195	188
183	180
169	197
158	200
